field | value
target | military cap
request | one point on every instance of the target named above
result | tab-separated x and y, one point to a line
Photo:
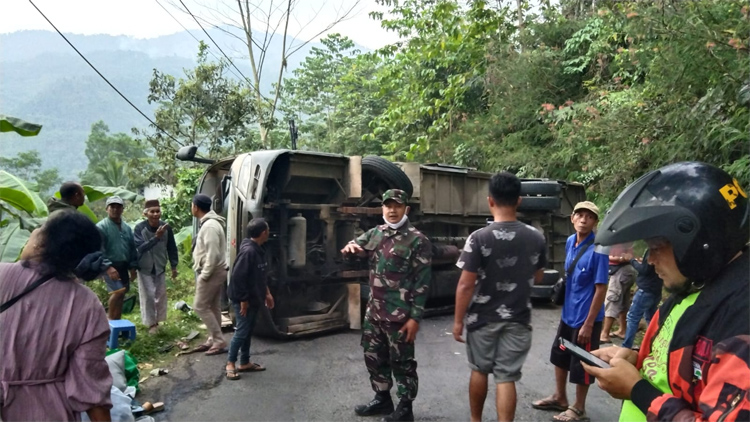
397	195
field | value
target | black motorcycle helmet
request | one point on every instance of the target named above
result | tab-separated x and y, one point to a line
699	208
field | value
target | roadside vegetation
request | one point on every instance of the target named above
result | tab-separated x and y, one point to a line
593	91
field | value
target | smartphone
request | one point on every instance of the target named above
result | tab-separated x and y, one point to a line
582	354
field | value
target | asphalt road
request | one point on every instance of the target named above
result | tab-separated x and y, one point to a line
322	378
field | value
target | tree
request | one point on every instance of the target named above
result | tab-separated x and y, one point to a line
434	78
112	155
28	166
247	20
317	96
206	109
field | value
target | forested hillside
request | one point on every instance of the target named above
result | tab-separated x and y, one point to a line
43	80
593	91
597	92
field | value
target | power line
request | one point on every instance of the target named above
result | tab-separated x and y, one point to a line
257	89
102	76
191	34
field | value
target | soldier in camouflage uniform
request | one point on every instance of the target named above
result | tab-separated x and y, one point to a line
400	273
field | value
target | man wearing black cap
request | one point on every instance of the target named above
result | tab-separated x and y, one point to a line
156	246
210	266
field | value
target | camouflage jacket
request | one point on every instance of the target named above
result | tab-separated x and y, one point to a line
400	272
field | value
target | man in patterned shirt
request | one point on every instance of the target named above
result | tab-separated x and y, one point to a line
400	272
500	263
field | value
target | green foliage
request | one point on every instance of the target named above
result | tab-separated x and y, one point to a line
433	79
17	194
176	208
113	159
23	128
28	166
206	109
595	92
331	96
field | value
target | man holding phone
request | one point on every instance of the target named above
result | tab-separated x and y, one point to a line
693	361
248	292
154	241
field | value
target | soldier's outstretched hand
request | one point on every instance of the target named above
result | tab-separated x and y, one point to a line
352	248
409	331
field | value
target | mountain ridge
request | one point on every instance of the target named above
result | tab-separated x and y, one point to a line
45	82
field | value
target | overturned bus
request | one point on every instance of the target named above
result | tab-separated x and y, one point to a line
316	202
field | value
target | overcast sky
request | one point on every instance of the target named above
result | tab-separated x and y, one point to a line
147	19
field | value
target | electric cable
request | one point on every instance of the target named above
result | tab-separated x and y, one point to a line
102	76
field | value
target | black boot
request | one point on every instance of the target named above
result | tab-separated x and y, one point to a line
382	404
403	412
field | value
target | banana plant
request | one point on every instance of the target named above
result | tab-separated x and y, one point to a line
22	210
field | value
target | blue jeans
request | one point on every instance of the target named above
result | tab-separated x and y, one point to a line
643	306
242	334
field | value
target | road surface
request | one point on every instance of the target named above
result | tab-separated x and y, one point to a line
322	378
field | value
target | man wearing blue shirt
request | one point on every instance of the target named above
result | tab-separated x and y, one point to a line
582	315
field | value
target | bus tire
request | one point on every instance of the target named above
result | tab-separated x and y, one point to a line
391	174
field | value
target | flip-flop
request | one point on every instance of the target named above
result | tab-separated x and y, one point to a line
548	404
613	334
254	367
232	374
214	352
605	341
576	416
201	348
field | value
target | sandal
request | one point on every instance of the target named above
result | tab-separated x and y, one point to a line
614	334
232	374
548	404
217	351
254	367
571	414
201	348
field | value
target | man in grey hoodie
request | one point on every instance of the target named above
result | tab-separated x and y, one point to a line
210	266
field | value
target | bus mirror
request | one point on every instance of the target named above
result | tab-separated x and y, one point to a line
187	153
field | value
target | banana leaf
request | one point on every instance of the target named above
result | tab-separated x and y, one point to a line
184	238
12	240
12	124
17	194
95	193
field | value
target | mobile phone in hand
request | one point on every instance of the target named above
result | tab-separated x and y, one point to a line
582	354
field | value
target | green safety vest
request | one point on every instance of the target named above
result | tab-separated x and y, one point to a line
655	368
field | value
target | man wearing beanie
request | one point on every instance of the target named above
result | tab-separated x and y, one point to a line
156	246
210	266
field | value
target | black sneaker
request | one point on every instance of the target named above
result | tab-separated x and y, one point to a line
382	404
403	412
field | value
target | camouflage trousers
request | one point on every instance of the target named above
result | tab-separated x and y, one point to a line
387	353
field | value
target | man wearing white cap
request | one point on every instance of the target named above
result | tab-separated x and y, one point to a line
587	270
119	253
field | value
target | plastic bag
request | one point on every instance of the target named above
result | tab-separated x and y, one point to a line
120	411
132	374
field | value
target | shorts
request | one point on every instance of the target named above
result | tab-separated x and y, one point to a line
499	348
568	362
123	284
